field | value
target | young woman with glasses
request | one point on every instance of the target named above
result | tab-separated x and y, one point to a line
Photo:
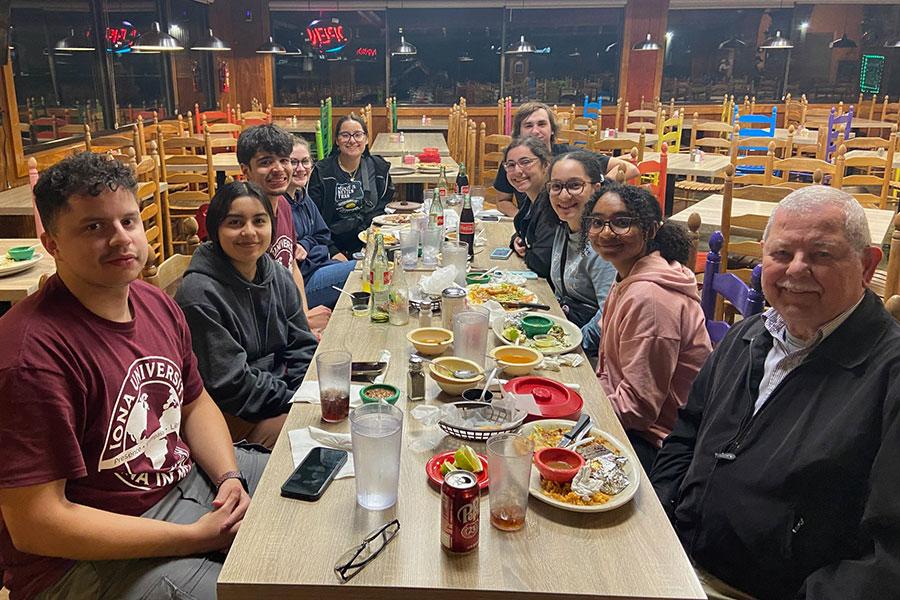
581	279
526	160
320	270
351	186
654	334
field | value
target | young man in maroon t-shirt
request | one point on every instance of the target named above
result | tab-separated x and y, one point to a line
103	415
264	153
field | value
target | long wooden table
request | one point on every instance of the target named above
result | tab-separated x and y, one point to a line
413	124
680	164
287	548
19	285
413	143
710	211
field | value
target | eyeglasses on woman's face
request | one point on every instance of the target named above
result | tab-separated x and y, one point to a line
574	186
618	225
346	136
306	163
522	163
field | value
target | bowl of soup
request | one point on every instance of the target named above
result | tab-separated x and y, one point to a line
558	464
516	360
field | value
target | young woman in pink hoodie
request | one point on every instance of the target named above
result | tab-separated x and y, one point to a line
654	335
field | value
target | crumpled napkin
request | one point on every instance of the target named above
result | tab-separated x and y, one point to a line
309	392
304	440
438	281
495	309
553	363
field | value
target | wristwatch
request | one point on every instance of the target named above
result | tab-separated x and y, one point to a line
232	475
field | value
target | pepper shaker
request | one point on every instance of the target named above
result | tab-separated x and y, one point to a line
415	380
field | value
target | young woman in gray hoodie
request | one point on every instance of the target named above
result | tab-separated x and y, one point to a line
248	328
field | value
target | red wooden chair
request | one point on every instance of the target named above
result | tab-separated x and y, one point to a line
211	116
653	176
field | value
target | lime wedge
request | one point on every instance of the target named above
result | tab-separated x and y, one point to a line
447	466
466	458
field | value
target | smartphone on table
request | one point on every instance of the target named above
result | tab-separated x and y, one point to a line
501	253
313	476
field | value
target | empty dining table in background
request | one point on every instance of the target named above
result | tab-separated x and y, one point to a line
413	143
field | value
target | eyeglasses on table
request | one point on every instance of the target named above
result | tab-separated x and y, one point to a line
355	559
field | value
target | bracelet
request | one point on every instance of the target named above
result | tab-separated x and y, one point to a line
231	475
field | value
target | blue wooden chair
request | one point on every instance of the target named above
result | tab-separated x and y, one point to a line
838	127
760	129
747	300
592	109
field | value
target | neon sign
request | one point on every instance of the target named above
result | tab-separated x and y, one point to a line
327	36
120	39
367	52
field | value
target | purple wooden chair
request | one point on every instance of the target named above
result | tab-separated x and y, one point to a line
747	300
832	142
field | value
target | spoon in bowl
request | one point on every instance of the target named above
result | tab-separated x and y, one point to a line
456	373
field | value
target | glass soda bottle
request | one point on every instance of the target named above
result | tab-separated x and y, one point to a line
436	212
443	185
467	225
381	279
398	293
462	181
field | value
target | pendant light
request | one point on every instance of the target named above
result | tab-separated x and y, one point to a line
842	42
157	40
210	43
271	47
778	43
895	43
574	53
521	47
648	44
732	43
404	48
74	43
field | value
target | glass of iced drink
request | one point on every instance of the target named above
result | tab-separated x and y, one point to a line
509	463
333	371
375	432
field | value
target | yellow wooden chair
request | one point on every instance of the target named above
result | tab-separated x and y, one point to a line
670	133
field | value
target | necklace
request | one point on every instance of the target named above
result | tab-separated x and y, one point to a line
353	173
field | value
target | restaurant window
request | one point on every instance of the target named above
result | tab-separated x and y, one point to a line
330	53
576	54
457	54
828	75
57	91
711	53
138	75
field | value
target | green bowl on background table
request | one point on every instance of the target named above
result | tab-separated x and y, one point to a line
478	278
21	252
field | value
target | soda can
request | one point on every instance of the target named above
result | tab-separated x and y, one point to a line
460	506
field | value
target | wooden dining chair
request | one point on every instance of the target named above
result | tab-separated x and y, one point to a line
670	133
582	139
874	170
167	275
490	155
886	282
210	116
763	193
754	169
748	300
799	171
191	182
653	175
644	120
612	146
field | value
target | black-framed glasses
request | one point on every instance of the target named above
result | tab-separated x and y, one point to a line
618	225
522	163
355	559
306	162
573	186
345	136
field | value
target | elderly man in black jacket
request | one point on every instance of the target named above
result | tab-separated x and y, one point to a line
782	474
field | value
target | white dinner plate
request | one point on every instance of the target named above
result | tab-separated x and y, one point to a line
572	330
11	267
631	469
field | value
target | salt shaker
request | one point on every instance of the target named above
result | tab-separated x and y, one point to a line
415	380
425	313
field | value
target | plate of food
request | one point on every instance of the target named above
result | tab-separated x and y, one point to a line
8	266
434	168
611	479
563	336
393	220
390	237
400	171
501	292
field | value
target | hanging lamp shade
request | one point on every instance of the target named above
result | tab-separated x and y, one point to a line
270	46
465	58
521	47
892	43
404	48
210	43
778	43
574	53
74	43
648	44
732	43
157	40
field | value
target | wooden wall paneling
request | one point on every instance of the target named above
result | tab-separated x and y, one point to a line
13	152
641	71
251	73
